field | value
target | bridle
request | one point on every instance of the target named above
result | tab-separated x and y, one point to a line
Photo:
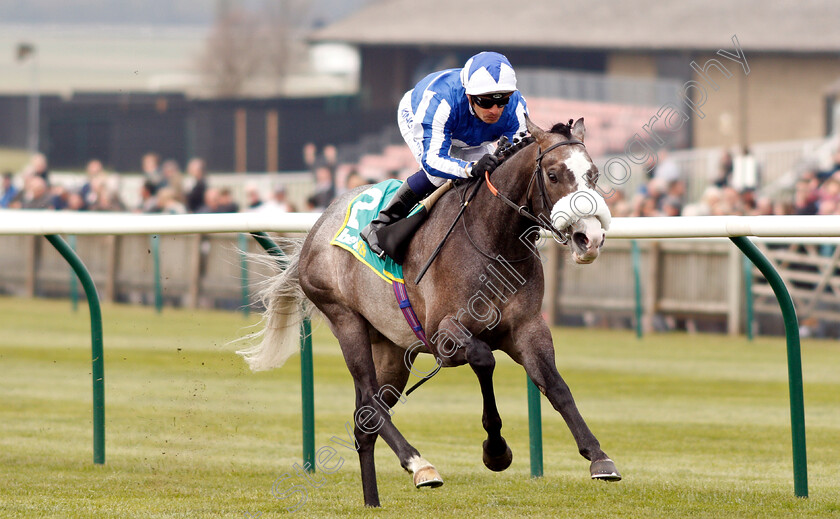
560	236
525	211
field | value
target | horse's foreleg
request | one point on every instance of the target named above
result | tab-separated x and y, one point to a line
497	455
535	351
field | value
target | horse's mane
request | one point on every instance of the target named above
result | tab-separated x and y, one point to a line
563	129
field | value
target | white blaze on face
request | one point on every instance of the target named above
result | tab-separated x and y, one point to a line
579	164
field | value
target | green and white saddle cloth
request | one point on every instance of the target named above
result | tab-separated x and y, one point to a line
360	212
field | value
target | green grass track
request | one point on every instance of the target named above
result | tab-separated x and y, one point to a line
699	425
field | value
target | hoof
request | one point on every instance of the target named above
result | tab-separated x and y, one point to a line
427	477
604	470
497	463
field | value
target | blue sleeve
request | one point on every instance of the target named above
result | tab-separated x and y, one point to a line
437	122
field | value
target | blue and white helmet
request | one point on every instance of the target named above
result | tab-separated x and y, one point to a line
488	72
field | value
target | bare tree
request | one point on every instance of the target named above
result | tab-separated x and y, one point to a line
232	53
282	27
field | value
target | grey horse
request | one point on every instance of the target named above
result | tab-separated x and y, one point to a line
482	293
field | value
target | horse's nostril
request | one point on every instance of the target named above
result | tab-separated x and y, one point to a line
581	240
603	240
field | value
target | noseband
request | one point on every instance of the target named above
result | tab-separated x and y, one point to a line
526	211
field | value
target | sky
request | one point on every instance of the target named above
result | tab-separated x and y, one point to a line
124	45
152	12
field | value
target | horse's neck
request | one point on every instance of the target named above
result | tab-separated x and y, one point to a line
501	224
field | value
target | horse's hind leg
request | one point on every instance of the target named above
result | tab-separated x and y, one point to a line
392	374
370	418
535	351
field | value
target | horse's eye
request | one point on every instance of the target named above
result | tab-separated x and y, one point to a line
552	177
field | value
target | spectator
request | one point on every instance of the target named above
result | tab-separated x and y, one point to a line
707	203
211	201
324	189
60	195
172	178
330	154
745	171
805	197
9	190
278	203
36	194
226	203
151	170
729	203
38	166
667	170
329	160
763	206
196	172
75	202
676	191
829	193
355	180
168	203
749	201
148	199
310	153
834	168
107	197
618	204
724	177
783	207
253	200
94	171
671	206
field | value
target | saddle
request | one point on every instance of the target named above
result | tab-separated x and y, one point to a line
364	208
394	238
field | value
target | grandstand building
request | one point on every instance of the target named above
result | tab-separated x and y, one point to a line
615	52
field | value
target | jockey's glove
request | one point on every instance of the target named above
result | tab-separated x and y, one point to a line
502	147
487	163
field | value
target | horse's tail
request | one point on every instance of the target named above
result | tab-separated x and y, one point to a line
285	308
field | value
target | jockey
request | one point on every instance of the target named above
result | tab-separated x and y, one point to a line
451	120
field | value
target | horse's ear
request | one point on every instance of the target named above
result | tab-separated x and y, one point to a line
535	131
578	130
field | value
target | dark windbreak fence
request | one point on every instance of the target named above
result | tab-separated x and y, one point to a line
117	128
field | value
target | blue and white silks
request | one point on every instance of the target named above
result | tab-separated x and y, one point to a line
442	131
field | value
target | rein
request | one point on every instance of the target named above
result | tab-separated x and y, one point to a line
526	211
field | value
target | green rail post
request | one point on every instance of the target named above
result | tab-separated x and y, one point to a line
307	396
307	389
74	283
748	297
535	429
96	350
794	358
156	266
243	270
637	284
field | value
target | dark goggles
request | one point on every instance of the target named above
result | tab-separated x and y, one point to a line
491	100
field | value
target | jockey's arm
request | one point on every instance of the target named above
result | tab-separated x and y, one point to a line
437	141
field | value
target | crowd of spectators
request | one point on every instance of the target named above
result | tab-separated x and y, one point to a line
166	189
734	191
169	190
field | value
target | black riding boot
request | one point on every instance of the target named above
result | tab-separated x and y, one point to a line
399	207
